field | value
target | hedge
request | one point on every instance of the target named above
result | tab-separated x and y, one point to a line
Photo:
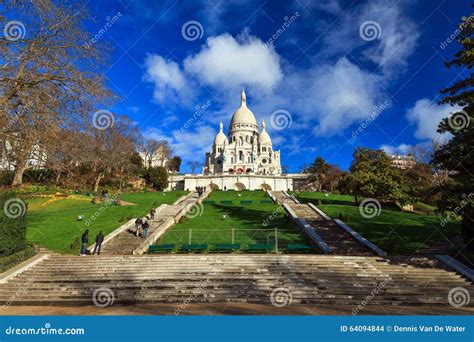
12	224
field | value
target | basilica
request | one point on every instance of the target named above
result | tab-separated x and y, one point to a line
245	150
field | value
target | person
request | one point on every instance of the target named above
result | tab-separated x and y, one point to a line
152	214
85	242
145	227
99	238
138	225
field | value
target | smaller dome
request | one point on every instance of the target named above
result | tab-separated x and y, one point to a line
220	138
264	137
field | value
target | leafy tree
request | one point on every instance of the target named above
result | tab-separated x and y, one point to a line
174	164
318	171
157	177
457	155
372	175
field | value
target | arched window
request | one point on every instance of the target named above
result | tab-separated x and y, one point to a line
241	156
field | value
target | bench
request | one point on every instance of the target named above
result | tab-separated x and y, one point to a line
226	247
160	249
209	202
245	202
260	247
226	202
294	247
193	248
266	202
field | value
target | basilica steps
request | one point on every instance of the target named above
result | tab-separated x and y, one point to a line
308	279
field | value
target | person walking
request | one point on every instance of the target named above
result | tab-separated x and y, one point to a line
145	227
85	242
138	225
99	238
152	214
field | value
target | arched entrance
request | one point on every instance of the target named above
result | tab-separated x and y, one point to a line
239	186
266	187
213	187
239	170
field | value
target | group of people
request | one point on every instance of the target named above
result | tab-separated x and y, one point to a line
99	239
141	225
200	190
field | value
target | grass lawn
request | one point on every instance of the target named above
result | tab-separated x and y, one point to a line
252	223
53	223
395	231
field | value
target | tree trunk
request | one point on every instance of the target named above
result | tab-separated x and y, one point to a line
19	171
97	181
356	199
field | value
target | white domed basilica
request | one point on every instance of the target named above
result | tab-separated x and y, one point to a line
246	150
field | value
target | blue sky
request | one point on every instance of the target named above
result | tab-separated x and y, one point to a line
327	76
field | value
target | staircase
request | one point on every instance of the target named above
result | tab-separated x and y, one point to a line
341	242
126	242
307	279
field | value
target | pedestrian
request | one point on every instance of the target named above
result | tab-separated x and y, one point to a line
85	242
152	214
99	238
145	227
138	225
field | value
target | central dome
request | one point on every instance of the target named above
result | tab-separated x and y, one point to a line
243	115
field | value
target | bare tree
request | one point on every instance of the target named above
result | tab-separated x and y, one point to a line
49	79
155	150
193	165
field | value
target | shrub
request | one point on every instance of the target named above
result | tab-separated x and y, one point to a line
13	225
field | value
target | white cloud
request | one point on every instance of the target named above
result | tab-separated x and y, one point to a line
427	115
336	96
400	149
167	77
228	62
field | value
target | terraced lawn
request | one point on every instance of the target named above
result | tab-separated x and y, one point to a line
53	222
395	231
251	222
